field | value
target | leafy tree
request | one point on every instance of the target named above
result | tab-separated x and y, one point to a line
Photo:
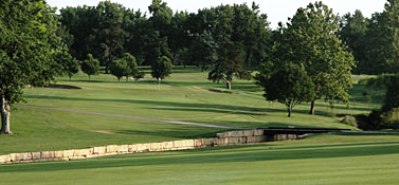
119	68
289	85
136	28
382	43
183	57
353	33
66	62
161	16
217	74
125	66
132	65
178	39
162	68
109	33
90	66
391	100
28	43
203	51
313	41
72	67
81	22
230	64
251	29
155	46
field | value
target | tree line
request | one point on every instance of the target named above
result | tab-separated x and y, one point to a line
206	39
308	58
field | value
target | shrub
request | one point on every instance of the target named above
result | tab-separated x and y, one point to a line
349	120
139	75
390	119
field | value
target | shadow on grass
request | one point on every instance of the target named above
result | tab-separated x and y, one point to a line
266	124
357	92
220	155
235	109
178	133
239	112
154	103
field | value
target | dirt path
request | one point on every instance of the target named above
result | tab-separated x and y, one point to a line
137	118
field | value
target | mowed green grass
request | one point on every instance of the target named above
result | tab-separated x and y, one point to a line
186	96
318	160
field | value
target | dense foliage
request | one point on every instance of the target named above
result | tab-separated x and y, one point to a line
309	58
309	39
233	38
374	42
28	48
90	66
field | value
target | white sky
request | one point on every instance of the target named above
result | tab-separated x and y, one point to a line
277	10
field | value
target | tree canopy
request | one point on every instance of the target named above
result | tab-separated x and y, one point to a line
90	66
313	41
288	85
162	68
28	45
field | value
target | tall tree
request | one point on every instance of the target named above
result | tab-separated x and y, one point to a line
161	17
353	34
160	22
109	33
229	65
230	61
203	51
81	22
132	65
288	85
125	66
162	68
136	28
28	43
312	33
91	66
382	43
69	65
119	68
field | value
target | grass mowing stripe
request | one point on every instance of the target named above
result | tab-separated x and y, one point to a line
360	164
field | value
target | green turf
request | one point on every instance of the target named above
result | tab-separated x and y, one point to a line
320	160
185	96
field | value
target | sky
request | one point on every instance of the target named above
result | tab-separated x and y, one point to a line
277	10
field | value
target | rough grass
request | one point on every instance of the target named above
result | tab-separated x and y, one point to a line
320	159
185	96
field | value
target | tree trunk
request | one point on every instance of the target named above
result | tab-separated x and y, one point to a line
127	78
89	79
312	107
106	67
159	83
5	116
228	84
107	63
248	59
289	110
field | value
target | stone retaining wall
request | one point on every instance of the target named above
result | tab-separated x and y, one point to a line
222	139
